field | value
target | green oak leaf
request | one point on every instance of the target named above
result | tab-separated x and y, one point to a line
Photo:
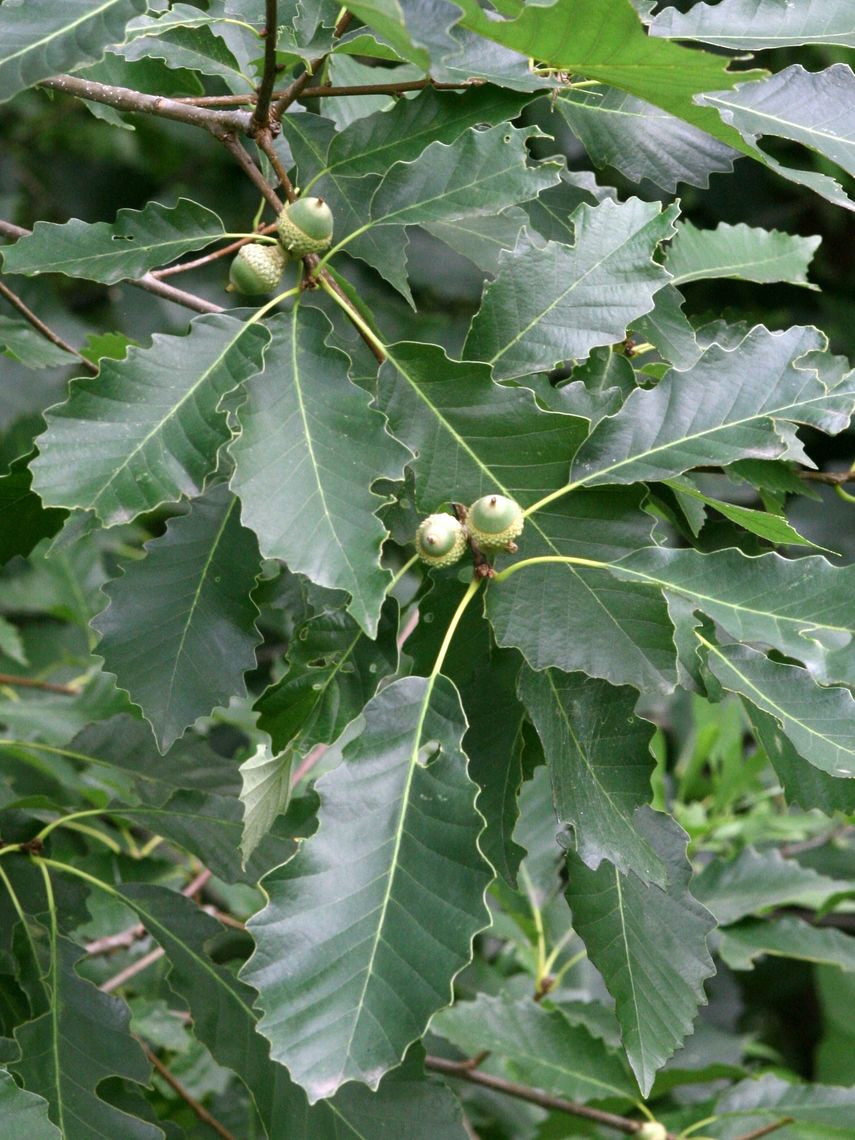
482	172
469	435
400	134
39	38
333	670
137	241
751	25
641	140
383	900
558	302
605	40
147	430
266	794
819	721
754	1103
805	107
758	880
746	253
542	1046
598	754
649	943
81	1040
730	405
309	501
179	632
802	606
571	617
24	1115
744	943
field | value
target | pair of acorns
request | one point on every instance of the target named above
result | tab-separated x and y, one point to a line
304	226
493	521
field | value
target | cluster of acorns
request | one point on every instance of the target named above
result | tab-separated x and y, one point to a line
493	521
304	226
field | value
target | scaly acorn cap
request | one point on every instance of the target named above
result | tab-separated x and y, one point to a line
257	268
440	540
494	521
305	226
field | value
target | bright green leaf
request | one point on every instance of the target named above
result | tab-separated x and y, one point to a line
605	40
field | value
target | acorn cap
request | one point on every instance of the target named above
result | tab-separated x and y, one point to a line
305	226
257	268
440	540
494	521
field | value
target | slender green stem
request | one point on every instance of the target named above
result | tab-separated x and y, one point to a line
847	498
25	926
694	1127
550	498
542	559
345	241
115	847
66	819
540	968
408	565
265	309
556	950
353	316
471	591
569	964
53	974
265	239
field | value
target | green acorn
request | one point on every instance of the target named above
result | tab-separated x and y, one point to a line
494	521
440	540
257	268
305	226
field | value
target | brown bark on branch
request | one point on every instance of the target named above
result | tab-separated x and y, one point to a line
534	1096
126	99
